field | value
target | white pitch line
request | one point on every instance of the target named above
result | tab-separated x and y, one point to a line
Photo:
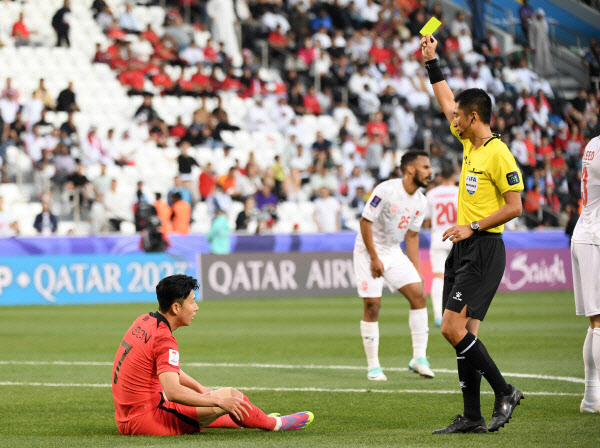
297	389
568	379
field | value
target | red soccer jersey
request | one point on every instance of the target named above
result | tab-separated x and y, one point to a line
147	350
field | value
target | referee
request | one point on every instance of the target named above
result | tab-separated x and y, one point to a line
488	197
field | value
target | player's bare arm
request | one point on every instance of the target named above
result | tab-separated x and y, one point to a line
441	89
512	209
177	393
412	249
191	383
367	235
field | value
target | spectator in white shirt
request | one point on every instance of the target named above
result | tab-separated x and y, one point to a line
518	148
327	212
127	20
193	54
8	224
8	108
370	11
34	144
368	102
322	38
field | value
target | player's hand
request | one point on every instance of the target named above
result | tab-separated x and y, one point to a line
458	233
428	46
236	407
376	268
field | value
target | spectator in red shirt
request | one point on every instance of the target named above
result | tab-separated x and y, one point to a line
161	79
562	136
311	102
207	181
115	32
534	199
101	56
278	43
307	54
178	130
20	32
544	149
558	161
151	35
380	53
200	82
531	154
133	78
377	126
574	146
210	52
231	82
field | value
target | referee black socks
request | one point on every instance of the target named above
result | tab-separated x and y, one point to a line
470	385
475	353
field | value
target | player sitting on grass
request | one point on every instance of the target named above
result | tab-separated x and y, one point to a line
153	396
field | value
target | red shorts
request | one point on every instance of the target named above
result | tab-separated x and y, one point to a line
167	419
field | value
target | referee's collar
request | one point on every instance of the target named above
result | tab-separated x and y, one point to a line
491	138
160	318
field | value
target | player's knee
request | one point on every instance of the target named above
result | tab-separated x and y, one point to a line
229	392
420	300
448	331
372	309
235	393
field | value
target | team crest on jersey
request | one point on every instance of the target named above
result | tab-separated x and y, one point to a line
173	357
375	201
471	183
393	208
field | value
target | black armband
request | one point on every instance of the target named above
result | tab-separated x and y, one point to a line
434	70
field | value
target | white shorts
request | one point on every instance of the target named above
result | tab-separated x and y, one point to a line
398	271
586	278
438	259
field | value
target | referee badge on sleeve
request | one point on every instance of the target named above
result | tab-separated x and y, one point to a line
512	178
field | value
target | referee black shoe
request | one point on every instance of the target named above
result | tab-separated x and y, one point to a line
462	424
504	407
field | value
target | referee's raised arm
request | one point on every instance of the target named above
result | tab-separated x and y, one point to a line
441	89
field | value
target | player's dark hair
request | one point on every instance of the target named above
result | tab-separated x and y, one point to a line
475	100
409	157
175	288
447	172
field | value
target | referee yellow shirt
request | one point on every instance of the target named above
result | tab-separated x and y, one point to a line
487	173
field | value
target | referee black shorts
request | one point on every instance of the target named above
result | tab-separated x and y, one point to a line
473	271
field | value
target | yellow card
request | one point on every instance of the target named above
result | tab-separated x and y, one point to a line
430	26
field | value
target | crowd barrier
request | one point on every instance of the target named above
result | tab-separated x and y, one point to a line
112	269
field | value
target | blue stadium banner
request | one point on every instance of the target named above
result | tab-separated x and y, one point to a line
78	279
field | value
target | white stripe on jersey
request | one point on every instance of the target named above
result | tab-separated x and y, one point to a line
587	230
441	209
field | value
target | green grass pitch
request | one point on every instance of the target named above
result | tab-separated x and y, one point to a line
292	355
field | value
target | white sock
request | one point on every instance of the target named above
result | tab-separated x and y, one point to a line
592	383
370	336
417	321
594	373
278	424
437	289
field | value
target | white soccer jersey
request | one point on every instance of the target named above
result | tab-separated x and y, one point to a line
441	209
587	230
392	211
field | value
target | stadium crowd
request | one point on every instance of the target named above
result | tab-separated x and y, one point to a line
358	62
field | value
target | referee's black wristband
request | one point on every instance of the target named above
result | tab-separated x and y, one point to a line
434	70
